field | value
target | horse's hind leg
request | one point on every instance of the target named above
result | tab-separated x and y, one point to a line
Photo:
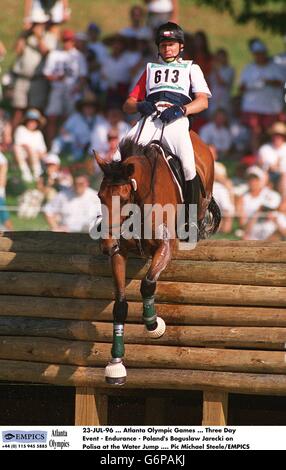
115	371
155	325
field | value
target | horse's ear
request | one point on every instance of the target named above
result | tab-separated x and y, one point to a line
129	169
100	161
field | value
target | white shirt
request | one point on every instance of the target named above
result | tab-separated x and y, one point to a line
116	70
76	212
258	97
220	137
56	13
34	139
160	6
252	204
270	156
72	64
265	228
222	197
221	93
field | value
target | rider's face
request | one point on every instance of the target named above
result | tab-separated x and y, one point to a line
169	49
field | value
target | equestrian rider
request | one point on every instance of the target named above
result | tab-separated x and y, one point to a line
171	89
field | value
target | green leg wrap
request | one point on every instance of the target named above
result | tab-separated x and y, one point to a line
117	350
149	313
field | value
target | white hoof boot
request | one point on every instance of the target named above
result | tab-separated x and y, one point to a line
115	372
160	330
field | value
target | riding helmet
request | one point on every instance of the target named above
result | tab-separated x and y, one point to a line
169	32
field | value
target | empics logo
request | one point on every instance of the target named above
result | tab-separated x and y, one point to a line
24	436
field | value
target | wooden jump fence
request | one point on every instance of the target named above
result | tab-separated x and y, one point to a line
224	304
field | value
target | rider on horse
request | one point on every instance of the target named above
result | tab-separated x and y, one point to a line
165	95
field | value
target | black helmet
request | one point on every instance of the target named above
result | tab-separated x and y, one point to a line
169	32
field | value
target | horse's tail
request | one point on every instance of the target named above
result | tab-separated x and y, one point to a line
211	222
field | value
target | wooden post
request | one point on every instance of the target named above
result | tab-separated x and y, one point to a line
90	407
215	408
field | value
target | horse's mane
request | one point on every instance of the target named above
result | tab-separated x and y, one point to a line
116	171
128	148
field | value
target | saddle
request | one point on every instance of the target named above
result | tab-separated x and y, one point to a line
176	167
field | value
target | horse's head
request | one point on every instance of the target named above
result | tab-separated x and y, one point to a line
117	190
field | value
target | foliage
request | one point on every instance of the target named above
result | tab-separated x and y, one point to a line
268	14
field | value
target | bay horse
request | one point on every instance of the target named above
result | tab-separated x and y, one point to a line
143	177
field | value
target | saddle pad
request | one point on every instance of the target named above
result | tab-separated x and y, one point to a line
176	176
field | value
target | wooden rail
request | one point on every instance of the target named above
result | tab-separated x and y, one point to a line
224	304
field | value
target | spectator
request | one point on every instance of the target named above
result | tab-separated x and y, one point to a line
31	87
67	72
223	193
116	70
29	145
221	80
56	178
81	43
277	223
73	210
258	198
75	135
261	84
272	156
241	134
55	11
266	224
137	29
96	46
113	142
30	202
162	11
202	55
5	131
217	133
280	60
113	120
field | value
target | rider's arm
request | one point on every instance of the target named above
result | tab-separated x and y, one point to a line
137	94
130	105
200	103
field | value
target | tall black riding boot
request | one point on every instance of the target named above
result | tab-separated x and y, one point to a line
192	196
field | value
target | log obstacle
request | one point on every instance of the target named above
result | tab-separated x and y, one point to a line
224	304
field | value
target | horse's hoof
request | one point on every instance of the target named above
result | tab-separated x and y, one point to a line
159	331
115	373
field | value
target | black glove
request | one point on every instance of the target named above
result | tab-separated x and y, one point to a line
146	108
171	114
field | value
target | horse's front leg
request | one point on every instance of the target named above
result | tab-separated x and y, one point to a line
155	325
115	371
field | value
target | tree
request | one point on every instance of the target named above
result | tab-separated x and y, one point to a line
268	14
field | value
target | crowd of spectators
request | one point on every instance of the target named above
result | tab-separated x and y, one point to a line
63	96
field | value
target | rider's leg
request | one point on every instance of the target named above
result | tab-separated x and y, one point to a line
144	131
177	137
